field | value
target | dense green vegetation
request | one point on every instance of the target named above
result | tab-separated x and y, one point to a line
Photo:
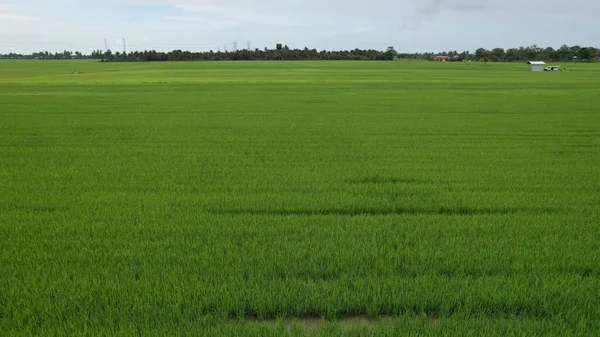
257	198
564	53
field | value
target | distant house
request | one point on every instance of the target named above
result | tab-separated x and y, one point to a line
537	65
442	58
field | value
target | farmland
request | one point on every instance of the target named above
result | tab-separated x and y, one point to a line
295	198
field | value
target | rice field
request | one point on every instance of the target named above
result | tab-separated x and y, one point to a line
298	198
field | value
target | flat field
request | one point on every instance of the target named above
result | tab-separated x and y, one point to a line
297	198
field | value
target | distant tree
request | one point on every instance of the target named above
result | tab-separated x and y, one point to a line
575	51
564	53
108	55
390	53
529	53
512	54
586	53
549	54
483	55
464	56
498	54
480	53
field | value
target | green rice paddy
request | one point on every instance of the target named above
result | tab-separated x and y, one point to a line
299	198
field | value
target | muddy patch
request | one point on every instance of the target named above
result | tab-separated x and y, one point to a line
380	180
310	324
353	212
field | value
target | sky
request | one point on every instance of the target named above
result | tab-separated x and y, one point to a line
201	25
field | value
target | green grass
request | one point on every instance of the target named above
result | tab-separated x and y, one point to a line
253	199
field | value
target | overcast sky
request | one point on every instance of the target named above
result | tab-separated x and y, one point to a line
197	25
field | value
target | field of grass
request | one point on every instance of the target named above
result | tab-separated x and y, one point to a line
297	198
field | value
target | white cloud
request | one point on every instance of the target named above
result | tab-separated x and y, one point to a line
15	17
199	8
364	29
7	7
185	18
11	12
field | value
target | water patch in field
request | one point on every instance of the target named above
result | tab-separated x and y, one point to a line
39	209
582	271
457	211
313	101
430	313
388	180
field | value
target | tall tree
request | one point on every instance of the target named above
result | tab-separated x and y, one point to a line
586	54
108	55
550	54
498	54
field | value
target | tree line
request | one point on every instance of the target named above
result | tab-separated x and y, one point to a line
564	53
530	53
238	55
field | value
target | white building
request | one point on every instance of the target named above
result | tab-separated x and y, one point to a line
537	65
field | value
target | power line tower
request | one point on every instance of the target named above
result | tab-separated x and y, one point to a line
105	45
234	46
249	45
124	47
225	47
